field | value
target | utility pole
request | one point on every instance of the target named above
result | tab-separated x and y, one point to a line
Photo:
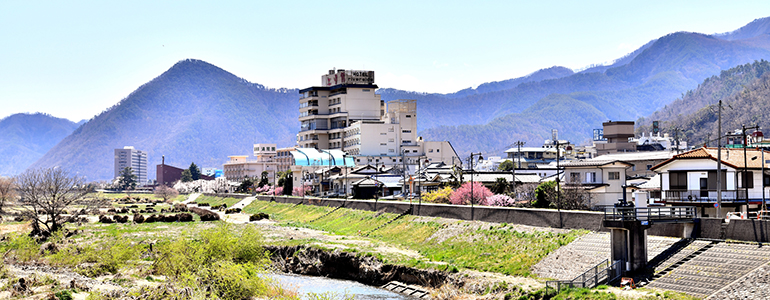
517	144
719	160
745	163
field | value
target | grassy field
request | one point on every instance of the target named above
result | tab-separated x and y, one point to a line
214	201
496	248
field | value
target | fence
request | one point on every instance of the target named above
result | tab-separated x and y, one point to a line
662	213
604	272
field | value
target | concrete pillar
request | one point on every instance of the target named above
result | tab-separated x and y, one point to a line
628	243
687	230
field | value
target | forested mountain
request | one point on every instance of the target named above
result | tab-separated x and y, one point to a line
575	104
194	112
744	91
24	138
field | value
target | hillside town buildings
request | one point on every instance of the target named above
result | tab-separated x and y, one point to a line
136	159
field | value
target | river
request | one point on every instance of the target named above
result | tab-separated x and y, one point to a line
308	284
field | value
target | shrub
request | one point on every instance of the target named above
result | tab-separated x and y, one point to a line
462	195
121	219
21	247
500	200
179	207
105	219
233	211
205	214
151	219
439	196
169	218
185	217
203	204
138	219
258	216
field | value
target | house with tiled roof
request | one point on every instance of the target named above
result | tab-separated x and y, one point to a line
690	179
603	179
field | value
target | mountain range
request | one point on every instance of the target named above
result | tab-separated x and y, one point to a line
197	112
24	138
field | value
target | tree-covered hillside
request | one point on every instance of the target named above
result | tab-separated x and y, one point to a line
194	112
744	91
24	138
656	76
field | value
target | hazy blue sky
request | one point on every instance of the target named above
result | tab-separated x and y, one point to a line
73	59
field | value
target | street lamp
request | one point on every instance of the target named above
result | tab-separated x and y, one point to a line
471	164
345	164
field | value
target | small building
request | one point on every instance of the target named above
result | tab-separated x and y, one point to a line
690	179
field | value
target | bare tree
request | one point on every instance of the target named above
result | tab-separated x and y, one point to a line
165	192
45	195
7	191
575	196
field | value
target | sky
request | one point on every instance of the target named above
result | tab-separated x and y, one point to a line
75	59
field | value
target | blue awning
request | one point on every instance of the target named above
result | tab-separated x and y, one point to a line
314	157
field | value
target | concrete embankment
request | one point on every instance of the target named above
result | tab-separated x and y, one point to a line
368	270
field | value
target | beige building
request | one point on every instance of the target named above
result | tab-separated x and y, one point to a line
239	167
618	135
136	159
603	179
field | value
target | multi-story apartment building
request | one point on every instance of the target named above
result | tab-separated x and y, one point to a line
136	159
345	114
240	166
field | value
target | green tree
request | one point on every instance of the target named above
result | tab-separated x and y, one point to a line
195	172
127	179
246	184
263	181
506	165
545	195
288	184
501	186
186	176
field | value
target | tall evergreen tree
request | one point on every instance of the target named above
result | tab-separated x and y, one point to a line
186	176
288	184
195	172
127	179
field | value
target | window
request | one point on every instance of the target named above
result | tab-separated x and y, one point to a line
613	175
678	180
649	167
390	140
591	177
574	177
406	142
366	90
633	168
430	151
391	151
437	150
383	133
383	144
406	131
747	179
408	116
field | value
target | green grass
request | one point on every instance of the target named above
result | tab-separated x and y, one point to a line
498	249
217	200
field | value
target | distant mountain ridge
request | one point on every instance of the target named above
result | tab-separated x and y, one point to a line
25	138
194	112
655	76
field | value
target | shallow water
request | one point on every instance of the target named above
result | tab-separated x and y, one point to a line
308	284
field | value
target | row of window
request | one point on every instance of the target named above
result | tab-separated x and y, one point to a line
591	177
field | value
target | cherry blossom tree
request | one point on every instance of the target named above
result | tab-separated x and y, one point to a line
463	194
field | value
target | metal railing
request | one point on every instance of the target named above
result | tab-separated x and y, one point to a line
649	213
705	196
604	272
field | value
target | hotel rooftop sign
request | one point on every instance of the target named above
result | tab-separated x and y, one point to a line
348	77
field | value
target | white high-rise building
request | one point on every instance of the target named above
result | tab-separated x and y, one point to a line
345	114
136	159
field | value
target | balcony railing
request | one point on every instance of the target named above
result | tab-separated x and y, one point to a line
649	213
705	196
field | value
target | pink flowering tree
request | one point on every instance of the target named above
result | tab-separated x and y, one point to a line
463	194
277	191
301	190
500	200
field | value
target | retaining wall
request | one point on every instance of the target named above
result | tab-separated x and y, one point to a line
742	230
